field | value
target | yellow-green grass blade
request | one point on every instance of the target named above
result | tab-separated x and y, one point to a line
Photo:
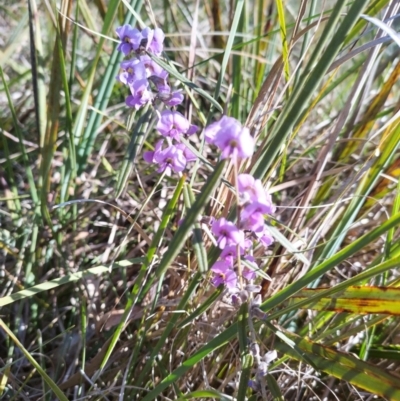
282	27
246	358
358	300
59	394
386	351
361	277
67	279
373	9
264	26
38	70
371	113
206	394
53	118
239	82
302	93
391	232
190	219
345	367
70	175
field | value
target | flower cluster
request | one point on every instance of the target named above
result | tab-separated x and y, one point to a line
235	142
231	138
140	71
142	74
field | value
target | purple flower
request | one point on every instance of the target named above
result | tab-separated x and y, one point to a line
153	69
140	94
227	233
252	190
130	39
171	158
249	274
252	216
229	254
223	275
149	156
265	236
132	70
225	123
169	98
156	45
231	138
134	40
235	143
147	35
189	155
173	124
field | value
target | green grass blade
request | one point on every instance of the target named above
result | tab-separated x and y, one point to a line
67	279
302	94
104	94
135	144
328	264
184	229
285	49
198	243
358	300
59	394
347	367
80	119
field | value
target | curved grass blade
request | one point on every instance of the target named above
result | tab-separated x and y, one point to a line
60	395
